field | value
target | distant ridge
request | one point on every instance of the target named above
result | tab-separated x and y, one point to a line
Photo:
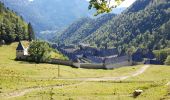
145	24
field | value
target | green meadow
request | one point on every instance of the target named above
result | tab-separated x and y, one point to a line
43	82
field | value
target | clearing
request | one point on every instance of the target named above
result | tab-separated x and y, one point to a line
29	81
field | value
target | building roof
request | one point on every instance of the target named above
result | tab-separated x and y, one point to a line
20	46
120	59
107	52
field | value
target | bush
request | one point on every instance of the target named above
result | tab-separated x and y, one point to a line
39	51
167	62
162	55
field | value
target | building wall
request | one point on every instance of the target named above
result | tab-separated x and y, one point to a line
88	65
92	66
20	54
26	52
61	62
117	65
77	65
138	63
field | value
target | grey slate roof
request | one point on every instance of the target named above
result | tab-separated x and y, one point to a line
20	46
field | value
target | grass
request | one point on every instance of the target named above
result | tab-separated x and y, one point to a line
17	75
154	88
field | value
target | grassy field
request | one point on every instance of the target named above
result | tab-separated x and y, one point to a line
16	75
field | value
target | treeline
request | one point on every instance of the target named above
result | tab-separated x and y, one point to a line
144	27
13	27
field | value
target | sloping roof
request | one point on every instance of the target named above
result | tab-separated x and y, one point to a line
20	46
114	60
107	52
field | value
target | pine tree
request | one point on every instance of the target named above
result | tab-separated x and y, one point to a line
31	32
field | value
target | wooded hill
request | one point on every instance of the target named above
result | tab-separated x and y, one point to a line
145	24
12	26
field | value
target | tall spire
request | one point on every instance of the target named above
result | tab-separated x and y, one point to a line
20	46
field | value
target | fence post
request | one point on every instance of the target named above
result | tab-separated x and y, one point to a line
58	70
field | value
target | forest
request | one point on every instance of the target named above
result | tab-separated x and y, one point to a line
145	25
12	27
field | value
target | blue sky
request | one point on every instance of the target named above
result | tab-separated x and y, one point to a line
30	0
126	3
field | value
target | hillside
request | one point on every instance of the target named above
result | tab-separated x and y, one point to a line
145	24
83	28
12	26
49	14
27	81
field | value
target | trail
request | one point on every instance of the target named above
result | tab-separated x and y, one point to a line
22	92
119	78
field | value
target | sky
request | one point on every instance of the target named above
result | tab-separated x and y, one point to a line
30	0
126	3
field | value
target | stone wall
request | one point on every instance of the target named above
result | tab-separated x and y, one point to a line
117	65
138	63
62	62
91	66
88	65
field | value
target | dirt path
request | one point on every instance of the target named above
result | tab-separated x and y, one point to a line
22	92
119	78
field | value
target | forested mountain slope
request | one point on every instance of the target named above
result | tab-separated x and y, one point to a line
12	26
145	24
83	28
49	14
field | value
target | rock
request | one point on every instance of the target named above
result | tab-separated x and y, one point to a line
2	42
137	93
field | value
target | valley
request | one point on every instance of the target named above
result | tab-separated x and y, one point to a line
22	80
55	50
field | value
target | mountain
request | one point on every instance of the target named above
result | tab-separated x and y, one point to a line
12	26
83	28
144	24
49	14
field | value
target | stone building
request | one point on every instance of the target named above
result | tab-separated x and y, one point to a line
21	52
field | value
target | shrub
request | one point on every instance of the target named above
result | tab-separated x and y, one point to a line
39	51
167	62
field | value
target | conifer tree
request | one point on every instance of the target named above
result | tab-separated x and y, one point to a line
31	32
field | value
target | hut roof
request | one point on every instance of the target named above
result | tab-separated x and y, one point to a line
20	46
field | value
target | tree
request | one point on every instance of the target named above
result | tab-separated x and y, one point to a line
12	27
39	51
31	32
103	6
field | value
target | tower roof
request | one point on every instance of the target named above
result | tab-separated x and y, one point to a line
20	46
